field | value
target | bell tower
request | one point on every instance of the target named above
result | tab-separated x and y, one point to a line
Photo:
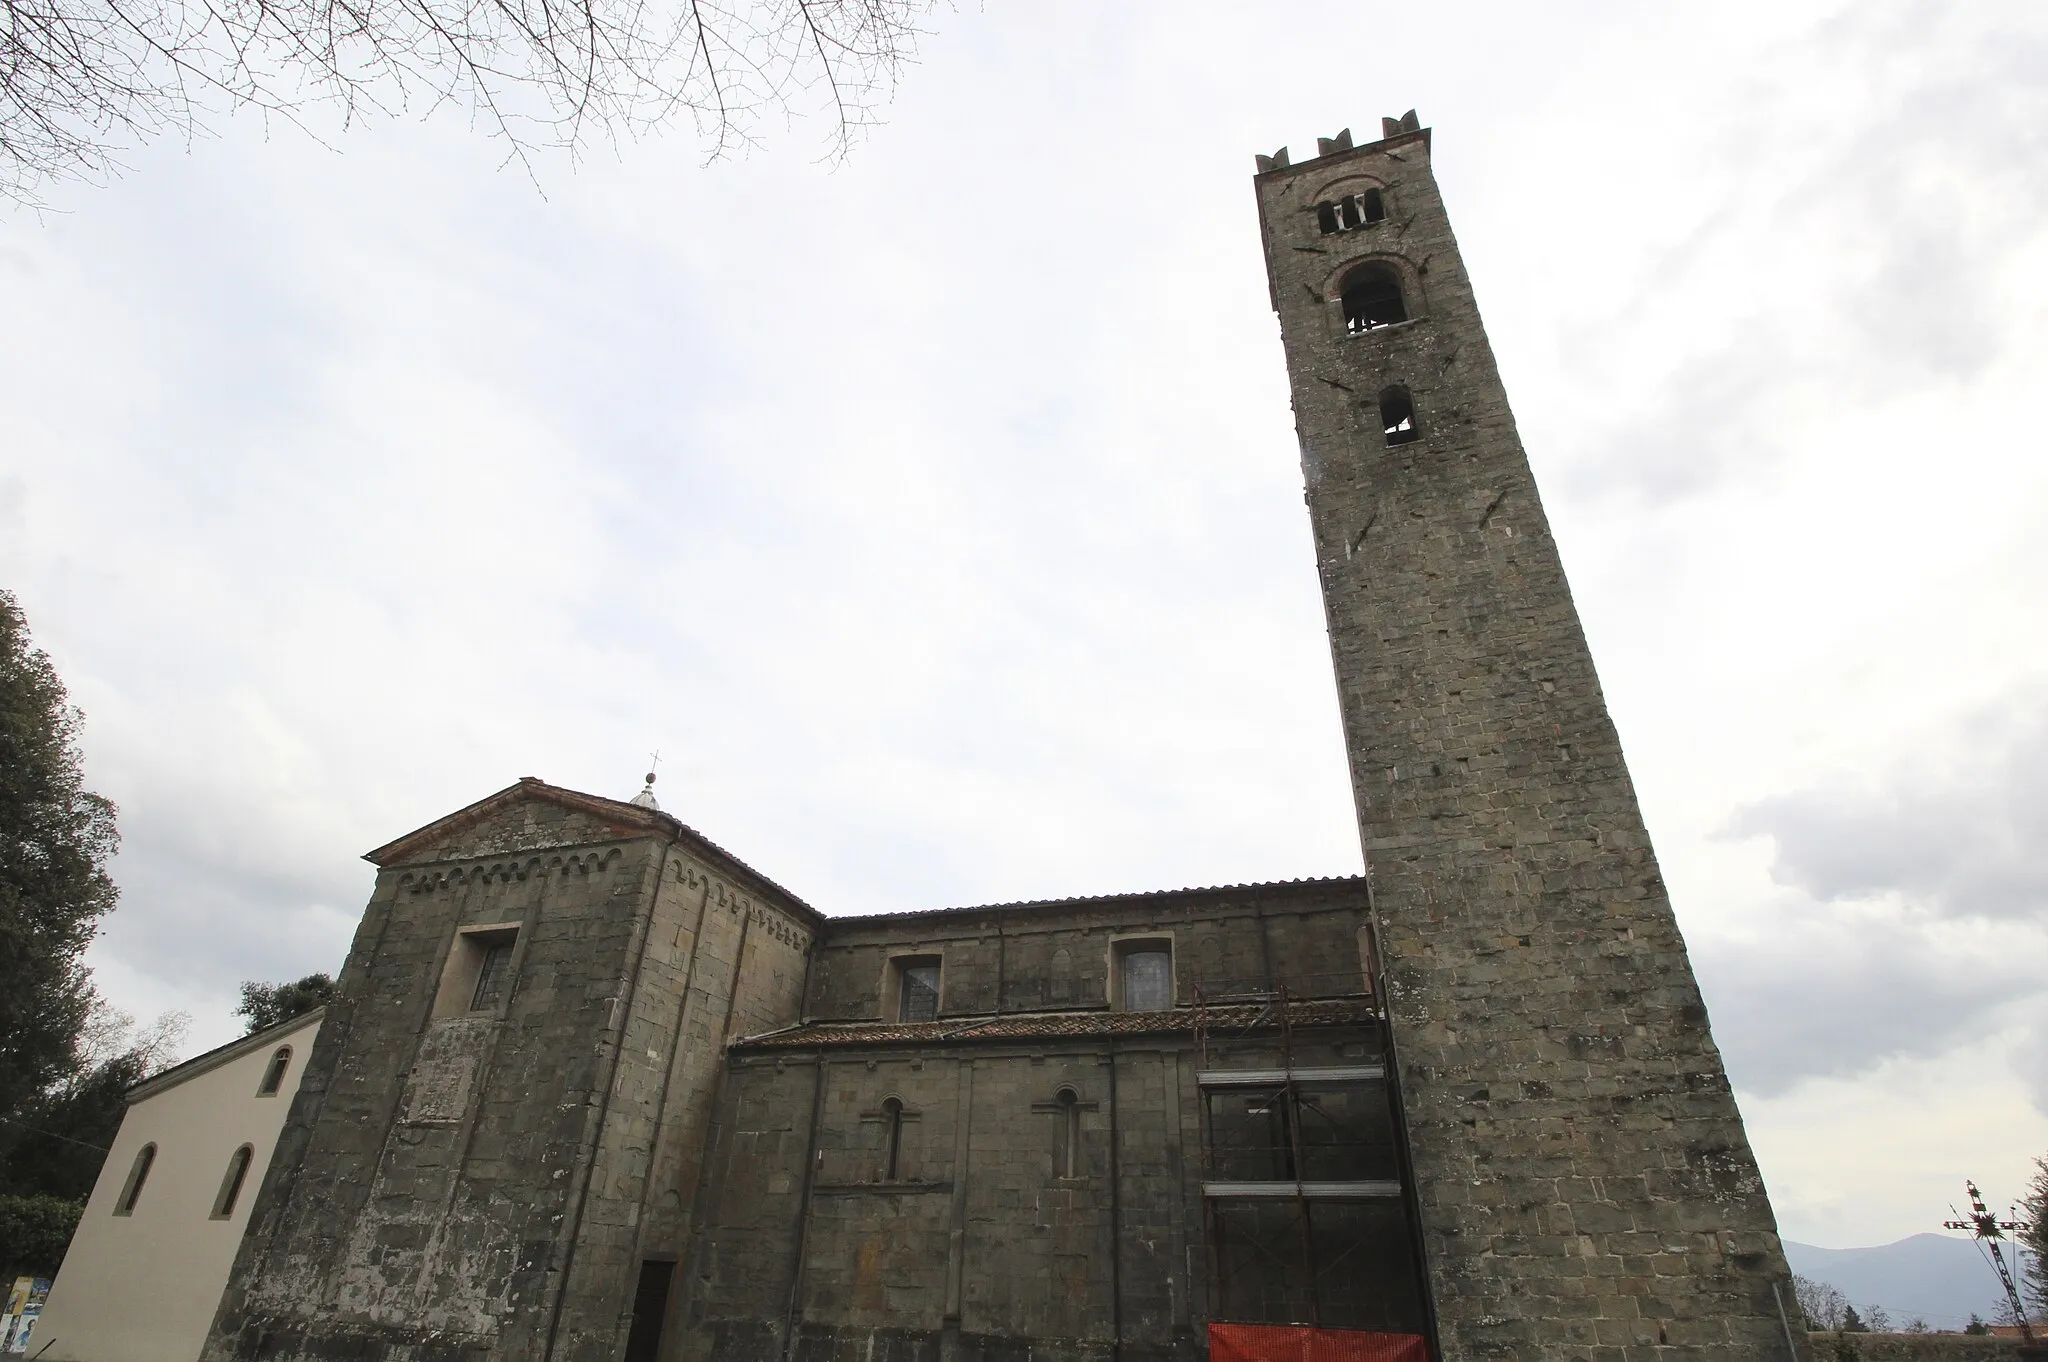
1585	1186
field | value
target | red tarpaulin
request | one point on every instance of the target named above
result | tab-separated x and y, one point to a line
1295	1343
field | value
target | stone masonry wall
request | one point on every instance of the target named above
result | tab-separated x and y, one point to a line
1588	1193
718	961
979	1249
1029	957
744	975
484	1185
419	1195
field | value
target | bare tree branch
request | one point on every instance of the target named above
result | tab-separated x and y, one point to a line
82	81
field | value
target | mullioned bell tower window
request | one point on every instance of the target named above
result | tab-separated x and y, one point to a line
1351	212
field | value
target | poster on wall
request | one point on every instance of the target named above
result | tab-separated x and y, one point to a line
24	1305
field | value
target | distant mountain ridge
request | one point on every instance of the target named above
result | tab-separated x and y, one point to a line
1939	1278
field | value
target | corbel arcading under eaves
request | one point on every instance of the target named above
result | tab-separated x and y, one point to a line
505	870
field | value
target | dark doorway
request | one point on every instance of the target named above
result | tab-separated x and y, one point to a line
650	1307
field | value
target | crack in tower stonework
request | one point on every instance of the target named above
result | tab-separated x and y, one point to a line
1585	1187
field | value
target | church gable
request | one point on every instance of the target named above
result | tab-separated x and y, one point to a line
529	816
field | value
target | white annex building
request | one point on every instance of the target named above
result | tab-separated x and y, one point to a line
145	1271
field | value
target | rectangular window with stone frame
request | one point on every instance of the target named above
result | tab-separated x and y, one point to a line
478	974
1143	975
917	988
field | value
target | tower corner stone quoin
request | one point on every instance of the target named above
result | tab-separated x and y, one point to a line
1586	1188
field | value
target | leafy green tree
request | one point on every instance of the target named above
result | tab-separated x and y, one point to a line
1976	1326
268	1004
1852	1323
61	1136
34	1231
67	1059
55	839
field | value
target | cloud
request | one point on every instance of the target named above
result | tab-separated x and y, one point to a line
1839	993
2032	1058
1882	1156
1864	226
1913	912
1958	829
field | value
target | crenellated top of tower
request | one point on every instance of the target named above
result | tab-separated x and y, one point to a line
1355	225
1391	129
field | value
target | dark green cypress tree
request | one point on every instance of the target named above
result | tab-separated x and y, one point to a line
56	837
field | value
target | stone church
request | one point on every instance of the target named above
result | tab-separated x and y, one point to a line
594	1090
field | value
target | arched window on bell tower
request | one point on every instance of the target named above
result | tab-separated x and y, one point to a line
1372	299
1351	212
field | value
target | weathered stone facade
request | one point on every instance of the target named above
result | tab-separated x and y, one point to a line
458	1181
685	1076
1587	1188
985	1240
592	1089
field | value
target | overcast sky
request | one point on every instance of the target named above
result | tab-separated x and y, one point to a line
938	515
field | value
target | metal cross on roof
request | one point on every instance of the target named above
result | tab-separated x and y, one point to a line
1988	1230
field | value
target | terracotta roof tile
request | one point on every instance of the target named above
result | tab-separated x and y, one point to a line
1029	1025
1022	905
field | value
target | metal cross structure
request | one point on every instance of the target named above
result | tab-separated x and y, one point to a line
1989	1232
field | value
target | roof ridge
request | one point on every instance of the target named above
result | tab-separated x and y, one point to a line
207	1060
640	819
1014	904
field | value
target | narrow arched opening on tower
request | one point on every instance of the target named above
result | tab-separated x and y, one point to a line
1397	415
